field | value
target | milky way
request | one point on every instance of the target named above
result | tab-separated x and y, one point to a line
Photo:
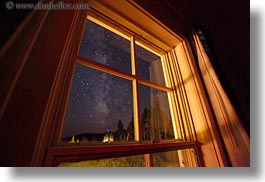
99	100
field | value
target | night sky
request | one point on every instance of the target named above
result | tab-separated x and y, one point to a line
99	100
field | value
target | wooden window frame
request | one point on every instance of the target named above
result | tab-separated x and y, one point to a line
57	152
79	152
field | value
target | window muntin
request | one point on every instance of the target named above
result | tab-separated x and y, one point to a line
105	114
82	152
99	108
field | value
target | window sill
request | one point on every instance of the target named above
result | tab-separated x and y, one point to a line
79	152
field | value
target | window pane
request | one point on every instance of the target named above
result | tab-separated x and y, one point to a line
155	114
99	107
130	161
177	158
149	66
105	47
166	159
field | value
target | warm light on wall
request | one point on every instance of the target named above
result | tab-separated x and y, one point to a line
235	137
190	116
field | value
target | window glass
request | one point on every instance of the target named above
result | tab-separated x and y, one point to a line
103	46
176	158
101	105
149	66
99	108
155	114
130	161
166	159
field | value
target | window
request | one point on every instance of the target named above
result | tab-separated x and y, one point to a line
119	110
103	99
99	104
158	159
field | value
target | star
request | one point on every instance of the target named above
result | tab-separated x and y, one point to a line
98	100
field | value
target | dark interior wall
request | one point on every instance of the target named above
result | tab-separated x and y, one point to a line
24	120
227	24
228	27
10	19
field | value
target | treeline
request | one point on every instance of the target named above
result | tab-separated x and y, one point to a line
154	128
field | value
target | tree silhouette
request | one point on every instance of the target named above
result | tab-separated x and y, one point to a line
120	133
130	130
160	125
120	126
145	118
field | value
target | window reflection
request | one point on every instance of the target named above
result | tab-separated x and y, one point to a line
173	158
155	114
166	159
149	66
